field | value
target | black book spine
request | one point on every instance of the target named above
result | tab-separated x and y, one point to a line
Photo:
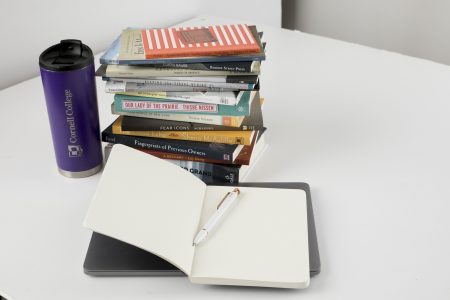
232	66
220	152
242	79
211	173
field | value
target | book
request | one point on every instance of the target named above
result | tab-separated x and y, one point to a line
143	71
210	172
125	103
120	86
234	121
111	55
226	153
110	257
207	172
224	98
230	66
243	158
146	124
223	137
173	156
217	40
194	41
250	153
252	122
163	80
151	85
157	206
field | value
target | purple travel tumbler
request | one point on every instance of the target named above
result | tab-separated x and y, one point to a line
67	71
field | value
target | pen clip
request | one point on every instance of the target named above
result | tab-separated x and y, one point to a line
221	201
236	190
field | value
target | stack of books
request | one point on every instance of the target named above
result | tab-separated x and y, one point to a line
189	95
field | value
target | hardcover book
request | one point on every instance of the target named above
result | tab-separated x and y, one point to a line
262	242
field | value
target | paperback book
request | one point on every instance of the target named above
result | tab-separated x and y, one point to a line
125	103
231	66
252	122
135	55
224	98
248	79
211	173
234	121
143	71
148	84
190	41
218	40
226	153
223	137
135	87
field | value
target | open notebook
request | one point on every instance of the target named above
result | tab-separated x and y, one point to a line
159	207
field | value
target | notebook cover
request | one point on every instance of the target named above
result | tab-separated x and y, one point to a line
110	257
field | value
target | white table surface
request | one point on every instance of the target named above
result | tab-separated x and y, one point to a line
367	129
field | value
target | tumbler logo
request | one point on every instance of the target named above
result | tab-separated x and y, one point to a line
75	150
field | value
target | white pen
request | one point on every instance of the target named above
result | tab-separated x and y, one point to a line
223	209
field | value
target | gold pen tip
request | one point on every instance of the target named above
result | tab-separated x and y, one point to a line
237	190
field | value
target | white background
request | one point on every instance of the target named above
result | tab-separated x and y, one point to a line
29	27
414	27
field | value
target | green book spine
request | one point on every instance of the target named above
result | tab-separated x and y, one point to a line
125	103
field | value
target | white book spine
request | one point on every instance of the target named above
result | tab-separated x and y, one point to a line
148	83
221	79
203	119
150	72
133	87
225	98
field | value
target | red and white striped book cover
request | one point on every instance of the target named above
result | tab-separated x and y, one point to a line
198	41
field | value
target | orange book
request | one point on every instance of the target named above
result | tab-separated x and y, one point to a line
198	41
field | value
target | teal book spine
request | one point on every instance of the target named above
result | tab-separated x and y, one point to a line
125	103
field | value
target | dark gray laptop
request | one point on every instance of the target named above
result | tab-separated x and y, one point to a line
110	257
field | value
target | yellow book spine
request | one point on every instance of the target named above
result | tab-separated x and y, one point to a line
222	137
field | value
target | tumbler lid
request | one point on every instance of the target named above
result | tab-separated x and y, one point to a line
68	55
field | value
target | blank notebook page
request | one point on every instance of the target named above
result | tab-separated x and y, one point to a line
150	203
263	239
